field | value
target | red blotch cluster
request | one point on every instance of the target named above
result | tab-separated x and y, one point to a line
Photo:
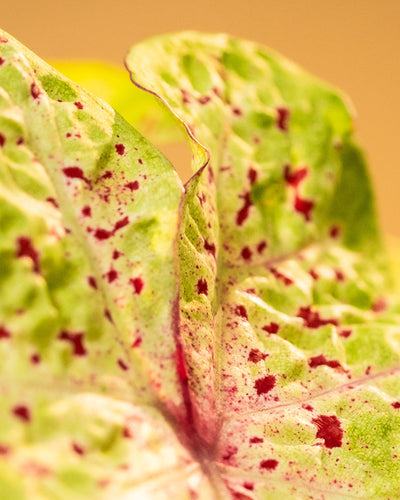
78	104
4	333
104	234
137	284
92	282
202	286
78	449
294	178
22	412
35	91
265	384
75	173
282	120
312	319
122	365
246	253
269	464
241	311
321	360
255	355
76	341
243	213
280	276
133	186
26	249
271	328
120	149
329	429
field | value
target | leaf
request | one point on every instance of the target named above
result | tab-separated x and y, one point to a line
239	341
299	394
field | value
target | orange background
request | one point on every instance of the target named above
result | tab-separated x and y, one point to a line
353	44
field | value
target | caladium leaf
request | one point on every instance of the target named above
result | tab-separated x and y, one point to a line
235	342
292	352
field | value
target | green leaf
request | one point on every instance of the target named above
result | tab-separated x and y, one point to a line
238	340
293	366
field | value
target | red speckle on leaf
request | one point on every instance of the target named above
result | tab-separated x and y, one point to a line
2	61
255	355
204	99
107	174
368	370
122	365
78	104
209	247
133	186
186	97
75	173
269	464
229	452
86	211
280	276
76	341
3	40
181	366
35	359
314	275
252	175
52	201
304	207
339	275
294	178
243	213
237	111
379	305
320	360
248	485
35	91
4	333
256	440
241	311
261	246
107	314
116	254
282	120
140	161
329	429
137	342
78	449
120	149
202	286
20	141
265	384
126	433
26	249
22	412
246	253
4	450
312	319
112	275
121	223
334	231
396	405
271	328
307	407
345	333
137	284
2	140
103	234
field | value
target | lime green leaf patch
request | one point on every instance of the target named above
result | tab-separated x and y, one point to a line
235	337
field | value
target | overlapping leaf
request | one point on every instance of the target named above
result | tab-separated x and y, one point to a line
236	342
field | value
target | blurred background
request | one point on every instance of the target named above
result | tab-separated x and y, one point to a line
353	44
